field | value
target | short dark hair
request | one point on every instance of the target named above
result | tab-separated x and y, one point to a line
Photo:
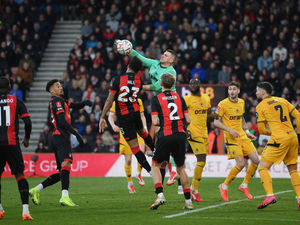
136	64
174	55
266	86
50	83
4	84
167	80
235	83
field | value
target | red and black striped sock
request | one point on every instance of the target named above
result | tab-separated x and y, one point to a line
65	177
187	193
148	140
158	188
23	189
53	179
141	158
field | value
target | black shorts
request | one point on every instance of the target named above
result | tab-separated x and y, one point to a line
13	156
170	145
130	124
61	145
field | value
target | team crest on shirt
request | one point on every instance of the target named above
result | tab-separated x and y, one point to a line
201	104
237	110
58	104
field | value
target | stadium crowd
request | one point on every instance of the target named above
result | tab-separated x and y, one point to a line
216	41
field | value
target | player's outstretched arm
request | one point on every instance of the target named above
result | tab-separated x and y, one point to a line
107	106
146	62
80	105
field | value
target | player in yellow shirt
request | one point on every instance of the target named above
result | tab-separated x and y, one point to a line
276	113
199	108
125	148
238	145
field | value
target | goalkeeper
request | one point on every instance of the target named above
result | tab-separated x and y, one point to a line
158	68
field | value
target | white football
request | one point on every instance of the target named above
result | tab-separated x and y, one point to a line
124	47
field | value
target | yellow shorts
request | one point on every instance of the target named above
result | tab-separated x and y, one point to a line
199	145
283	149
239	147
125	148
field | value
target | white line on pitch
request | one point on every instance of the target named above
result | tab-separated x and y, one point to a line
242	218
218	205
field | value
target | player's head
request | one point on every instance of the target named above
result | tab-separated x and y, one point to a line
4	85
169	57
55	88
233	89
195	85
167	80
135	64
263	89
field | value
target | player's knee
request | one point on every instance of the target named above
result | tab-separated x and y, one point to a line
292	167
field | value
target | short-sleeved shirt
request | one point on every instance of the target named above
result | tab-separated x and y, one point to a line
275	112
126	87
198	107
57	106
232	116
170	108
10	110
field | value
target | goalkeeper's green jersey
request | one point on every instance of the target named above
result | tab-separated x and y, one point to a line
155	72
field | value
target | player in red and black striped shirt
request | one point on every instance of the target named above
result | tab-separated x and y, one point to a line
60	142
11	109
124	91
170	113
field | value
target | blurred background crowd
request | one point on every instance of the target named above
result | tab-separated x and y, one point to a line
216	40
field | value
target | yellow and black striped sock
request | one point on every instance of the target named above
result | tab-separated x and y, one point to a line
250	173
197	175
128	173
232	175
266	180
295	178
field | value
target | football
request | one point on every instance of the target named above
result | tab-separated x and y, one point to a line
124	47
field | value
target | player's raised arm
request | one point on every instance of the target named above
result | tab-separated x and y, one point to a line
146	62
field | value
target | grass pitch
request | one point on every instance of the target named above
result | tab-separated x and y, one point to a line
107	201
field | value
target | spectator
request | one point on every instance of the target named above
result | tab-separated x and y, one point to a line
85	148
198	72
223	75
26	73
40	148
281	51
108	141
16	91
212	74
99	147
75	92
45	138
90	135
264	61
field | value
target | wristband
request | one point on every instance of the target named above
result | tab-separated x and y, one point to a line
26	140
247	132
152	87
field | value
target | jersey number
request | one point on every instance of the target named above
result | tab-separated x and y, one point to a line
173	114
282	118
6	109
125	91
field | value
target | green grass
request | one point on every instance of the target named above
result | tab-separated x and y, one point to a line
106	201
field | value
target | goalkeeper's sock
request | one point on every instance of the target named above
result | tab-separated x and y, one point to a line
163	173
65	177
23	189
197	175
250	172
148	140
266	180
232	175
128	172
53	179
